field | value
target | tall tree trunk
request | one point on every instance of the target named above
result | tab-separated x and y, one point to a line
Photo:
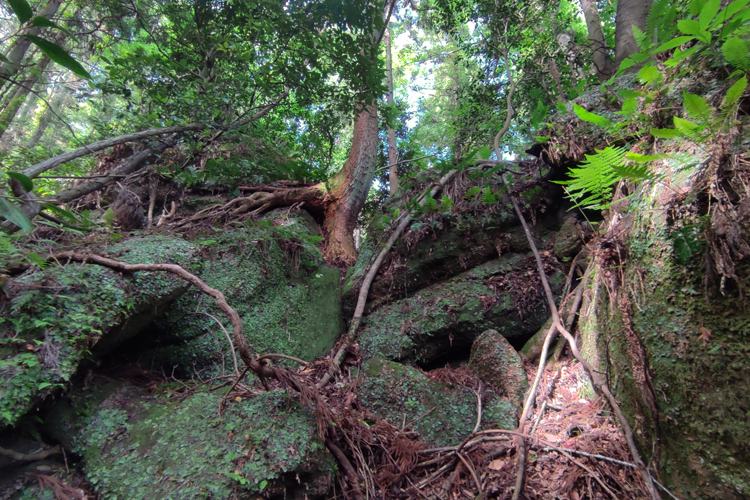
20	44
56	103
392	151
629	13
20	95
349	187
602	62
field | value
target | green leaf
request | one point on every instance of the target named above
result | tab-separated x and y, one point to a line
14	215
263	485
695	6
627	93
629	106
674	43
730	11
472	192
708	12
26	183
689	26
484	152
649	74
430	203
561	107
627	63
665	133
445	203
59	55
43	22
639	158
589	117
692	27
697	108
109	217
21	9
734	93
714	349
737	53
43	385
642	39
60	211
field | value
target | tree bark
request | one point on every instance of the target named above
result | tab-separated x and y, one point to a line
392	151
602	62
629	13
349	187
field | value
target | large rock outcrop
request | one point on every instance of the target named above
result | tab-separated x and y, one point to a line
667	318
444	319
58	316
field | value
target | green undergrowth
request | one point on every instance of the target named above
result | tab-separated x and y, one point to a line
55	316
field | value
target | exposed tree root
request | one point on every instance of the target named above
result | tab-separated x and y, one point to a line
30	457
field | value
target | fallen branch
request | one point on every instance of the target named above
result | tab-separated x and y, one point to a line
49	164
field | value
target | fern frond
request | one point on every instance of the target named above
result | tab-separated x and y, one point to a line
591	186
589	117
737	53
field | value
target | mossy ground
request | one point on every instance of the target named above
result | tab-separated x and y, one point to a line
56	315
137	446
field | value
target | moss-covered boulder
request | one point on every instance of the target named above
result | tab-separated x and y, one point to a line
446	318
443	415
497	362
56	317
442	245
675	338
274	276
136	446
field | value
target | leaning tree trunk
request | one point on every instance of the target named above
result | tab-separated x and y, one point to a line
629	13
348	188
602	62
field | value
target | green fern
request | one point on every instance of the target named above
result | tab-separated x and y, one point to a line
737	53
590	117
592	185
